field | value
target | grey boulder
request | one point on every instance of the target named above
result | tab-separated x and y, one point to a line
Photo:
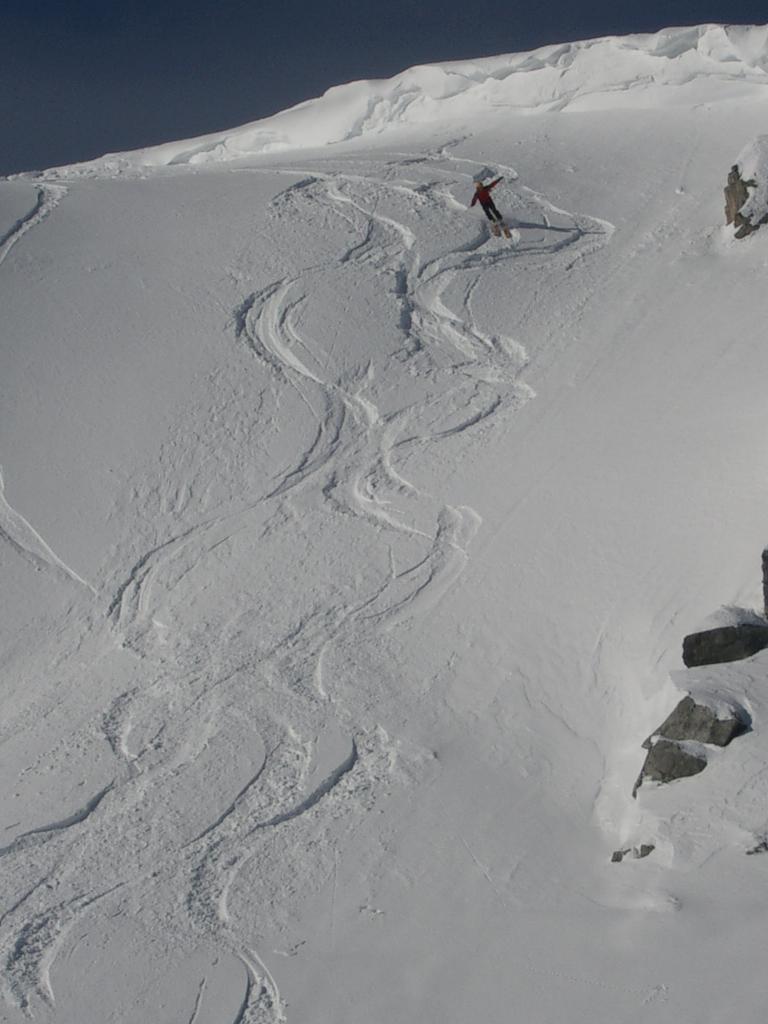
736	194
726	643
668	760
700	723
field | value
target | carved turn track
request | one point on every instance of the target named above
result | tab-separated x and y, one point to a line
250	708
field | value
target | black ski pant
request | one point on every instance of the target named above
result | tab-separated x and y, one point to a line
491	212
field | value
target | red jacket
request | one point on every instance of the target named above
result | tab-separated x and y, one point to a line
483	194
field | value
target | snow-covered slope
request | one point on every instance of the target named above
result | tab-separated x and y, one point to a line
347	552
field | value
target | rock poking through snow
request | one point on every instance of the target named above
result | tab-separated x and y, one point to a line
727	643
677	748
668	760
746	194
736	194
700	724
637	852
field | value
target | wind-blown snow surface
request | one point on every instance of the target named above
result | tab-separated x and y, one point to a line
678	66
346	553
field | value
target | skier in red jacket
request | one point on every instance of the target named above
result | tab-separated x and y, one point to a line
483	196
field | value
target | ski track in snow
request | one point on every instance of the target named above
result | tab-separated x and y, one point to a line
27	542
262	1000
354	445
14	528
48	198
351	467
57	826
198	1001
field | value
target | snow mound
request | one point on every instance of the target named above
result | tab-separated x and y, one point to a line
732	615
714	694
753	166
706	63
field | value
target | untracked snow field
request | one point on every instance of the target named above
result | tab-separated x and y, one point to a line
346	556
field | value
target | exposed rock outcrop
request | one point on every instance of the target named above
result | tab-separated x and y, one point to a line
727	643
701	724
746	193
637	852
668	760
713	717
736	194
678	748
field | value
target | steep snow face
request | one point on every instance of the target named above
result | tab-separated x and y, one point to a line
346	554
709	63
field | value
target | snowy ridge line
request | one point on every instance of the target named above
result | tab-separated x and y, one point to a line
48	198
27	542
675	66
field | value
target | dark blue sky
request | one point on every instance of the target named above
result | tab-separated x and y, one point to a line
79	78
